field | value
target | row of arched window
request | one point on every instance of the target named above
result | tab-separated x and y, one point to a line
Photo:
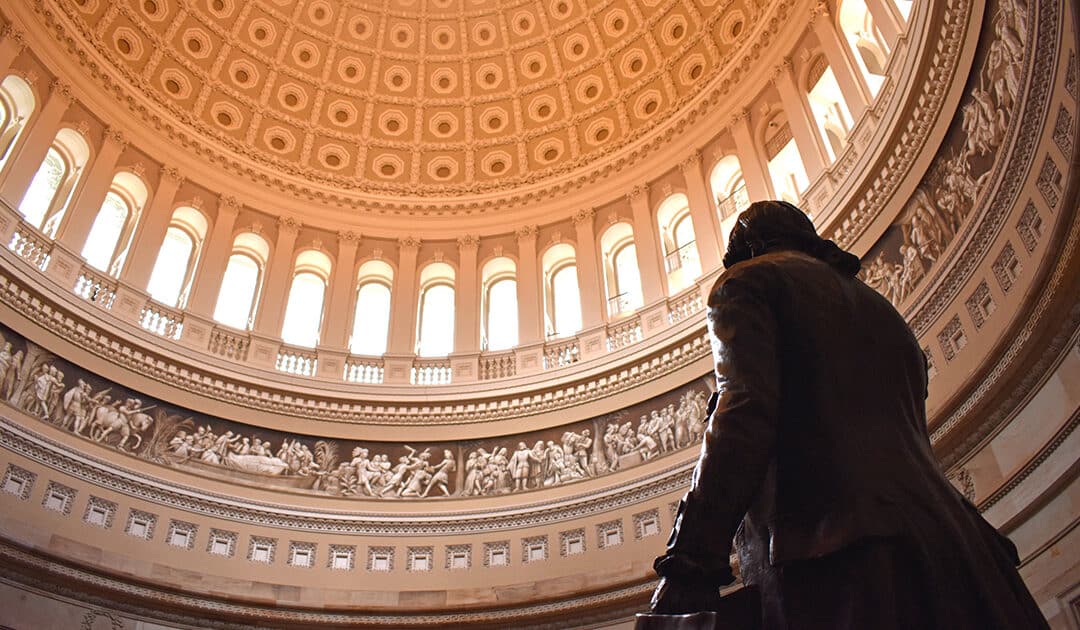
111	233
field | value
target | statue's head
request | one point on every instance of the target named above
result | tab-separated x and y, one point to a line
772	226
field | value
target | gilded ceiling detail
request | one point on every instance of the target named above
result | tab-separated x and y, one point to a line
422	97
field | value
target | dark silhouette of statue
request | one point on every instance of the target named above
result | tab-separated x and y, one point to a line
817	460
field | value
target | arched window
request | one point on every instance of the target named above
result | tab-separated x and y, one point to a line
177	258
785	163
167	278
371	319
866	41
105	232
621	271
53	184
677	237
107	242
241	282
304	309
827	103
17	105
562	298
499	304
435	322
904	7
39	196
728	188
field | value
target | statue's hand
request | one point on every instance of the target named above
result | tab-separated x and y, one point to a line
675	598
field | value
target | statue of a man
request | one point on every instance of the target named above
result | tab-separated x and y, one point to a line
817	454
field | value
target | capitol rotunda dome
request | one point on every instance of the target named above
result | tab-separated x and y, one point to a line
321	313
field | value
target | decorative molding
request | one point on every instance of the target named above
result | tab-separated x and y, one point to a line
584	216
193	609
289	225
527	232
409	242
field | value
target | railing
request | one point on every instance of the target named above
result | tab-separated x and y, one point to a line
623	334
682	306
502	365
561	354
675	260
96	288
734	203
229	344
31	245
620	303
162	320
431	372
297	361
364	370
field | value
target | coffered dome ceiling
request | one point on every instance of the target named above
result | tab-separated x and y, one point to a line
428	98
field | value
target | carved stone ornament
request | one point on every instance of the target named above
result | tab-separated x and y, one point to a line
173	173
62	90
782	70
612	218
349	236
468	241
10	31
316	243
584	215
289	224
377	253
117	136
228	203
556	237
82	127
409	242
196	202
498	251
820	10
691	161
438	255
526	232
256	228
666	189
638	191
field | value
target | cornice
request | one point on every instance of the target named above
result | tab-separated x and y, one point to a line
38	570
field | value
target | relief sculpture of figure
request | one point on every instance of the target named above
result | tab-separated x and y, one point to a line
817	461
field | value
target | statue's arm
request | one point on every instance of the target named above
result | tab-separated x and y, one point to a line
741	433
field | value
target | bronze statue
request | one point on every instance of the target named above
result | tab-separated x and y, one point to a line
817	459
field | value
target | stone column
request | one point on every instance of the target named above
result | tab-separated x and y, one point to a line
467	297
530	304
848	75
707	237
75	225
403	299
149	234
754	166
588	270
801	120
650	259
214	259
43	127
276	289
335	332
887	19
11	44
